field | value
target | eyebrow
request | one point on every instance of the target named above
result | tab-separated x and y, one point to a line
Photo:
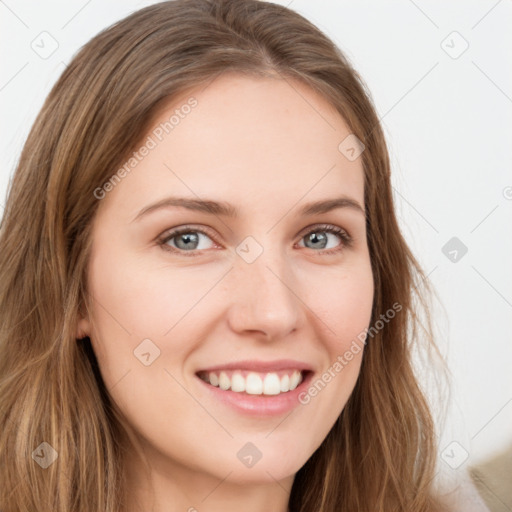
224	209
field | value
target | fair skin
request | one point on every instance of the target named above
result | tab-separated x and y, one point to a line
268	149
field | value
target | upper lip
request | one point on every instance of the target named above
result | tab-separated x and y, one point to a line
261	366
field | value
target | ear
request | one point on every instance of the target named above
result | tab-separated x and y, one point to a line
83	327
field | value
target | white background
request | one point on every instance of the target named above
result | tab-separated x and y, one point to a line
449	128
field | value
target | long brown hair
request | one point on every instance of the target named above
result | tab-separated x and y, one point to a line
380	454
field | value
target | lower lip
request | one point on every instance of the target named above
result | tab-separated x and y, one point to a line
259	405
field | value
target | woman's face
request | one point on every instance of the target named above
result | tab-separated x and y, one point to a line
252	294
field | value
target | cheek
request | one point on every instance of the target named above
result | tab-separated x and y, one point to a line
343	301
144	301
133	308
135	301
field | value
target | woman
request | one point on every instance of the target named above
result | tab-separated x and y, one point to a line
268	366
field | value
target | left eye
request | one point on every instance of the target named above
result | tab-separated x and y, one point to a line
319	237
187	240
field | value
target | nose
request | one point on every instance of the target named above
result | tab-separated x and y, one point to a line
263	297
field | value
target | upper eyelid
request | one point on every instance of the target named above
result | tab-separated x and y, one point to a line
172	232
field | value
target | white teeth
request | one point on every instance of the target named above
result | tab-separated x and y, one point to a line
237	382
295	380
254	384
214	380
285	383
271	384
224	381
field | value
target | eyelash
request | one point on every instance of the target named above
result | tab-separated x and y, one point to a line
346	239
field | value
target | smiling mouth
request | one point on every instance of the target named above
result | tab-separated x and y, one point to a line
255	383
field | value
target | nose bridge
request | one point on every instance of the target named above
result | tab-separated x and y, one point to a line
264	299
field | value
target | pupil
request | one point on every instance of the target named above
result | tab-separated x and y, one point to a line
315	238
188	239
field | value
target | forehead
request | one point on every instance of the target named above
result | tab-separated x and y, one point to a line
244	140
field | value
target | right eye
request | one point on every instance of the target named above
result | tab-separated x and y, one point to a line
185	240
